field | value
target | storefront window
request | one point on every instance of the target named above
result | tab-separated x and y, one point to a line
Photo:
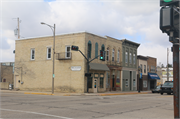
145	84
127	84
101	82
134	83
90	82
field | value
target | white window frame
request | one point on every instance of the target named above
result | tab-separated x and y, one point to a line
48	53
32	49
107	54
113	55
118	56
66	52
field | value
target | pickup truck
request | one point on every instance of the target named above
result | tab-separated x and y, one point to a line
167	87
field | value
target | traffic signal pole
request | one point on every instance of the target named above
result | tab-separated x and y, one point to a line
87	58
176	79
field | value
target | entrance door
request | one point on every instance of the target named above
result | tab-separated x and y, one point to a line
95	85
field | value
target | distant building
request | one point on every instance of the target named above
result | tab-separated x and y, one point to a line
164	74
6	72
143	79
149	76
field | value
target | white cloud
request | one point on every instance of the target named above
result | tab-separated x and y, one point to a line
137	19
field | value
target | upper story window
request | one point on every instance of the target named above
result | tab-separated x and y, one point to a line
152	68
89	49
141	67
107	54
144	68
48	52
113	55
102	47
134	59
96	49
130	58
68	51
126	57
32	54
118	56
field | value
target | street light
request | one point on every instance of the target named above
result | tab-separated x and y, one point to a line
53	30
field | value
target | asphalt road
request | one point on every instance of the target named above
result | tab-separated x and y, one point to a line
27	106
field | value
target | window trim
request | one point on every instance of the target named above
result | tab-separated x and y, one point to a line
32	49
48	52
68	51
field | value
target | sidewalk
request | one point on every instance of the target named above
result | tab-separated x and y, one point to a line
78	94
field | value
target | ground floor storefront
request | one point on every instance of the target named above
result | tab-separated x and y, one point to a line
129	80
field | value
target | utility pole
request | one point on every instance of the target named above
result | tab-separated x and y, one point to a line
18	28
167	64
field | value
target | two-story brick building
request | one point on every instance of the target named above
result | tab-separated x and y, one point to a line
33	62
143	79
129	65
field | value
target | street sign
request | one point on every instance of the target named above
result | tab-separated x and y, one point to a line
53	75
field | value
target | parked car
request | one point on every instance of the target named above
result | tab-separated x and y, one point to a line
156	90
167	87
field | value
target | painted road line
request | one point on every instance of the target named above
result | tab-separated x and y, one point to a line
36	113
38	93
164	96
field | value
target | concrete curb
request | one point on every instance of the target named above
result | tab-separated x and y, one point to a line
123	94
38	93
110	94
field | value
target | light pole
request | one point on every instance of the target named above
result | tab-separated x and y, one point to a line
139	69
53	29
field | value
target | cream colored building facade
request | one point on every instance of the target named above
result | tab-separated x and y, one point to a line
33	63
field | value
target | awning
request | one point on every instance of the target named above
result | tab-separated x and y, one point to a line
153	76
99	67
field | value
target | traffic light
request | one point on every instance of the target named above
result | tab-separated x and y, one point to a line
102	55
76	48
169	19
169	2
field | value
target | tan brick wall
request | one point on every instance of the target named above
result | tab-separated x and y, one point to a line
37	74
151	62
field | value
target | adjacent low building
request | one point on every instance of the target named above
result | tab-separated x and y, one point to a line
6	74
147	77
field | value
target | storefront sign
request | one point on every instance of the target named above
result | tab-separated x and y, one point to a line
76	68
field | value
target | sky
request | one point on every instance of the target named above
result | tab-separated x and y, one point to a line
135	20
